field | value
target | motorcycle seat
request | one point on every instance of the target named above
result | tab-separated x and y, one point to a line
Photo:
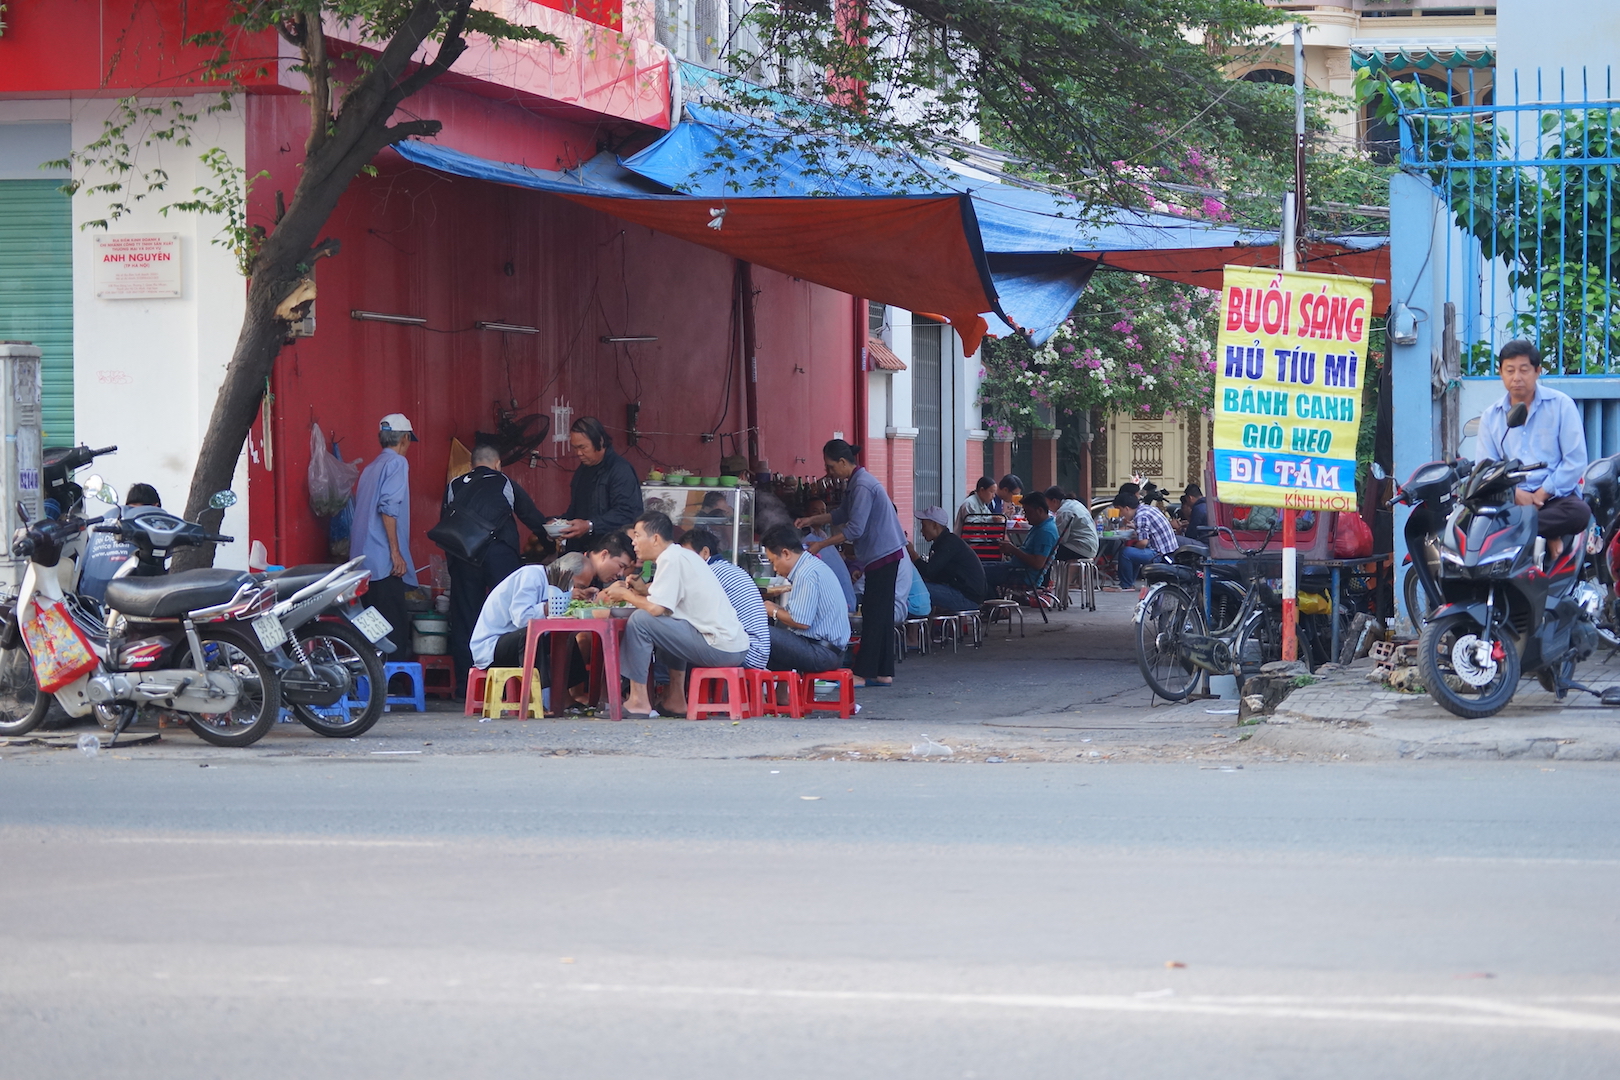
173	595
293	578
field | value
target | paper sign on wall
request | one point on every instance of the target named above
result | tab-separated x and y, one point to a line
1290	359
129	267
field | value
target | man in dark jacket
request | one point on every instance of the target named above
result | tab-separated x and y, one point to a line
605	495
953	573
487	495
1197	513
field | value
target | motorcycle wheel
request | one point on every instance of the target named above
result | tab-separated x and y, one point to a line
1446	683
258	706
341	643
22	706
1169	613
1415	599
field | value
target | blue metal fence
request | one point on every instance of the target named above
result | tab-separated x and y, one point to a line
1534	245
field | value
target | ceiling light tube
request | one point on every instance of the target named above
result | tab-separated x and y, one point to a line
613	340
380	316
506	327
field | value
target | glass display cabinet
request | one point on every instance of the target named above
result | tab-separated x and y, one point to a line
728	512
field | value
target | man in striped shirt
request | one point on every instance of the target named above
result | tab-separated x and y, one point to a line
812	631
740	590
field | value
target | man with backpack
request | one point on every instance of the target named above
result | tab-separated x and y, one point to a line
480	542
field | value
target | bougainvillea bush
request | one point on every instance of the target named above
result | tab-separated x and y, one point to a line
1134	344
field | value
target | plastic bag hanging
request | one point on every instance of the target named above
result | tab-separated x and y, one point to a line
331	480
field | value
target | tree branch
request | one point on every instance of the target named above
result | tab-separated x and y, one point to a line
451	46
319	72
323	250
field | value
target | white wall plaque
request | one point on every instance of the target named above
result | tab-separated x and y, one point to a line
132	267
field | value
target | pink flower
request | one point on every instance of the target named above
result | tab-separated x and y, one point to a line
1215	209
1122	327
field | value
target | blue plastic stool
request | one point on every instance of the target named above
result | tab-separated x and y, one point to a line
418	698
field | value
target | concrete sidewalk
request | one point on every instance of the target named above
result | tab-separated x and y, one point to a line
1067	690
1342	714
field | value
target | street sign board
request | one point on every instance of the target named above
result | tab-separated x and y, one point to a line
131	267
1289	363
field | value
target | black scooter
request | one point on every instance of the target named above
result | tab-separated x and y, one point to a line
1431	493
1503	614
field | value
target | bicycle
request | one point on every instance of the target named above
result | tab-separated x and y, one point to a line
1174	649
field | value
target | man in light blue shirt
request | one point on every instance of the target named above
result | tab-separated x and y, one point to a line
502	630
830	555
1552	434
382	529
811	631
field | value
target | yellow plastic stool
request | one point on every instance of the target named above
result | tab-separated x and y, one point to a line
496	702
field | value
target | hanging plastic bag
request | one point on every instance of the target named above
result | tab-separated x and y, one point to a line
60	651
1351	537
331	480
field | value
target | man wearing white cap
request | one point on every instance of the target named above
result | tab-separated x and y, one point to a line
382	529
954	574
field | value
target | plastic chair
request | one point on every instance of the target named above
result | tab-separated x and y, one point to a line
503	693
702	693
762	688
417	697
438	676
476	679
844	706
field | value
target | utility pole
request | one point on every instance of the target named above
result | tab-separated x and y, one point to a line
1293	234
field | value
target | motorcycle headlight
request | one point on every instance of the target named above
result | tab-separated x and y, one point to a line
1451	557
1506	554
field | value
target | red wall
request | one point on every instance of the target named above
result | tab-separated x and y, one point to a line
110	46
419	243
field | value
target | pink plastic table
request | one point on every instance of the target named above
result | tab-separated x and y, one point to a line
562	632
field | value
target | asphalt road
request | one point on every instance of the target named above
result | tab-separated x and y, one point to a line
515	915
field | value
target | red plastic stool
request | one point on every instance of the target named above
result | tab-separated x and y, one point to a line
762	687
845	705
438	675
702	695
475	692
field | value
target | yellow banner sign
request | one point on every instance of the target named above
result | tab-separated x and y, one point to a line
1290	358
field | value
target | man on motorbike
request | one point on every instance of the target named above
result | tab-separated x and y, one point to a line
1552	433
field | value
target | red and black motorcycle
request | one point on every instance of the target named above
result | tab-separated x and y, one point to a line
1503	612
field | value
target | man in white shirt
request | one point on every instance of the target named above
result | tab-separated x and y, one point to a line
685	615
502	628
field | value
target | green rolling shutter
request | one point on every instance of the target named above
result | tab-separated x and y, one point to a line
36	289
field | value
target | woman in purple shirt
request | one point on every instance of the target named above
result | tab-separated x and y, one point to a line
867	519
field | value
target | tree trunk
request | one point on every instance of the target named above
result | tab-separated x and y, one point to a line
336	152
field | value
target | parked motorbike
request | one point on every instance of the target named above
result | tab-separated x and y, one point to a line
1502	614
188	642
1600	487
320	640
1431	493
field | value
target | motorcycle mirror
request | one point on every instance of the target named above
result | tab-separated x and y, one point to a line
99	489
222	500
1377	471
1518	415
1471	428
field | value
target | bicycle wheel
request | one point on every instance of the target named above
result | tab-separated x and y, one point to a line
355	713
259	702
22	706
1168	614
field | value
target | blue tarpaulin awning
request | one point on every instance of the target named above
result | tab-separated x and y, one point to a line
918	235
